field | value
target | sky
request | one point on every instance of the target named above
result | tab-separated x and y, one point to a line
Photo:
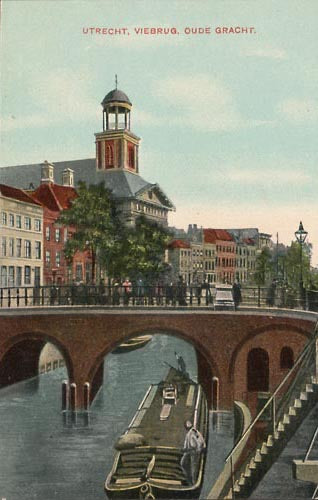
228	121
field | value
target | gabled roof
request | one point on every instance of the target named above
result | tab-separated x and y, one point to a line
158	191
17	194
55	197
122	183
179	244
213	235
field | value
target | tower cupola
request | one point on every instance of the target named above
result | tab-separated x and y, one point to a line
116	146
116	110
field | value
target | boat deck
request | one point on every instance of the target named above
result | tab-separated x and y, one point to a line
169	432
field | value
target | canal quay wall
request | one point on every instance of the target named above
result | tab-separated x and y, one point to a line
85	335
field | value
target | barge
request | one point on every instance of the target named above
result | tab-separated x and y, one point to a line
149	461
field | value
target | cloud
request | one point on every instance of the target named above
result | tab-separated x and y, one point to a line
266	52
299	110
203	102
58	96
263	176
142	117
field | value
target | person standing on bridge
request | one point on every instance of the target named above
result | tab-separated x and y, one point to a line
237	295
127	291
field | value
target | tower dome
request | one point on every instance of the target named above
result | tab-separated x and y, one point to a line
115	96
116	110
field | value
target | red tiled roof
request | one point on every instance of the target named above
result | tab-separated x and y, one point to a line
55	197
213	235
17	194
64	195
179	244
249	241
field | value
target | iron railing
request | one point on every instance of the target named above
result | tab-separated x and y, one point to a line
173	295
277	404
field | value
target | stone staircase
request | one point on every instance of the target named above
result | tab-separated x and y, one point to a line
269	450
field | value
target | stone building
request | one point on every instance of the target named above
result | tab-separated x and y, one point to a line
116	163
55	198
21	224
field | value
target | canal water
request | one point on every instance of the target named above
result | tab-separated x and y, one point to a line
46	455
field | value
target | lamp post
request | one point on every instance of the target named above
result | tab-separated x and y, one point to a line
301	236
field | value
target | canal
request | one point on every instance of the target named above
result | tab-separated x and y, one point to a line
46	455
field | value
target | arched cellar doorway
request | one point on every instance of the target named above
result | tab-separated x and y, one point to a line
257	370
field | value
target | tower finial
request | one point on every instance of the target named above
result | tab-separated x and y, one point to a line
116	81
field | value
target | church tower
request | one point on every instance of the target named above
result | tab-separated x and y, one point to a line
117	146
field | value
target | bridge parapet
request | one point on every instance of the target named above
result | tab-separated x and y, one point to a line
149	296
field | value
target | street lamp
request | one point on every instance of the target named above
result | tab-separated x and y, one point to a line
301	236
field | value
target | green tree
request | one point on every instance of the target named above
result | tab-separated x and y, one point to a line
93	216
264	267
297	263
140	250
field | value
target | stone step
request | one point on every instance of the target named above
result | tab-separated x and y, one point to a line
281	427
270	441
314	380
242	480
257	456
247	472
252	465
237	487
286	419
309	388
292	411
297	403
264	449
303	396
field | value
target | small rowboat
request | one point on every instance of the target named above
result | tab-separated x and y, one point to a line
133	343
148	461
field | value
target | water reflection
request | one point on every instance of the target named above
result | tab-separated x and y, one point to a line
48	454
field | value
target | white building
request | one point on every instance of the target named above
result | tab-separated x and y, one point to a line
21	225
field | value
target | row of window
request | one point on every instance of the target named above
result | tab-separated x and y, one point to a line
49	258
220	248
245	251
208	265
140	207
16	247
13	220
18	276
57	234
223	262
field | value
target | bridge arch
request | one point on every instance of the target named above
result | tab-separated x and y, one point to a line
207	367
19	356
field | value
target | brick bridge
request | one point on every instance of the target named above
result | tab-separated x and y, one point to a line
238	353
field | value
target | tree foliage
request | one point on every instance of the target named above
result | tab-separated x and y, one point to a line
93	216
120	250
140	251
264	267
297	263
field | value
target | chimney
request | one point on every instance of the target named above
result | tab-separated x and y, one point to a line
47	172
68	177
